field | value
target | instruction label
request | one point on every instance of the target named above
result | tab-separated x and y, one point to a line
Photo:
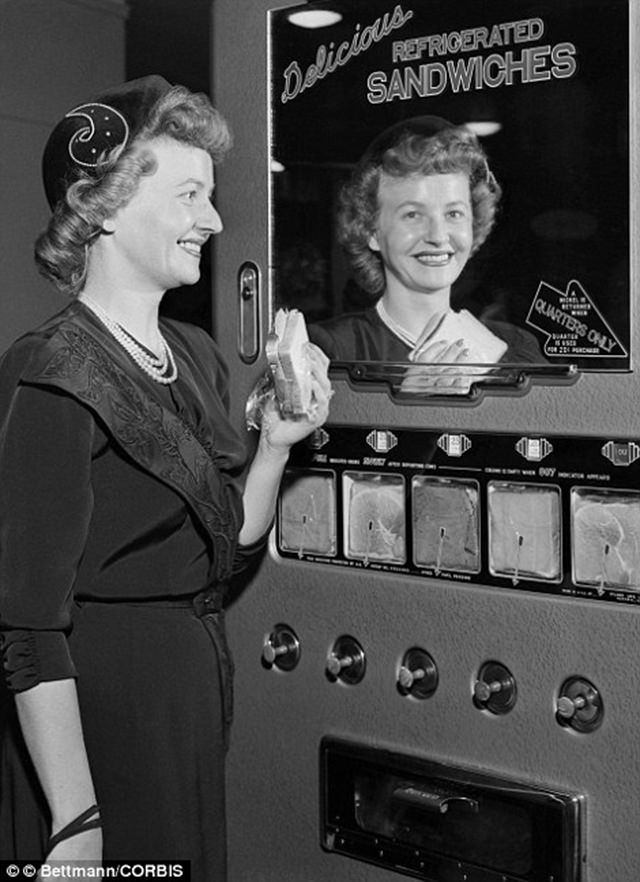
573	324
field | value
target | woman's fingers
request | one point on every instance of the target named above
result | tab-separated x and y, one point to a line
441	352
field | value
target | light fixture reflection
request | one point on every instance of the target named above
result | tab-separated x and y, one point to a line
314	18
483	128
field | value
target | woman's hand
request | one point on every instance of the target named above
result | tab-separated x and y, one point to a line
278	434
445	369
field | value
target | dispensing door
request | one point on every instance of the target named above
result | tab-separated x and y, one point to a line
437	662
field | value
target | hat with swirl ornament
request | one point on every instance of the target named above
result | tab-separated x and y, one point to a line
426	126
89	131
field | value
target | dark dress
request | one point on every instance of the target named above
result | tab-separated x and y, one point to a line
119	515
363	336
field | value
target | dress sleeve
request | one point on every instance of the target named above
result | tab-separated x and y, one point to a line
323	338
523	348
45	507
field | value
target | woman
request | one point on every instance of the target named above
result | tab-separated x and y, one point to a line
419	204
125	505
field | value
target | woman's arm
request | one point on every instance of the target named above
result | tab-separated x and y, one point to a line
261	491
50	721
277	436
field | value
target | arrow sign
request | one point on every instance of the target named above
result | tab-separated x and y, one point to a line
573	324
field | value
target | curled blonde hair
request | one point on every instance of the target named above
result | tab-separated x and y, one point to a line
62	249
454	149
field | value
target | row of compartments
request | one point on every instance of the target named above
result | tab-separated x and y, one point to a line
442	517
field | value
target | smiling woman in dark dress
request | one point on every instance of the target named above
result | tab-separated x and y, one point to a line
126	503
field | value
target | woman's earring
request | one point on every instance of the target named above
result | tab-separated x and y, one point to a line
108	227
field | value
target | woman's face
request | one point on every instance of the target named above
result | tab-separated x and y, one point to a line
424	230
158	236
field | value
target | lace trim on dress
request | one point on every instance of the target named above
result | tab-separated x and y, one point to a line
155	438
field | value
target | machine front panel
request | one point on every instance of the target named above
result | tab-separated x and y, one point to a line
554	514
451	588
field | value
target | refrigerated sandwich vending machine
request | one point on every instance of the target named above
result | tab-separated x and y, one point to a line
437	663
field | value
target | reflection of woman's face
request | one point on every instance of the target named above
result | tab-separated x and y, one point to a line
424	231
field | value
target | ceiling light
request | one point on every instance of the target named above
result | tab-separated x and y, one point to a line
483	128
314	18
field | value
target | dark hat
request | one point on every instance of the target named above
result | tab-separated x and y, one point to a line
427	126
111	119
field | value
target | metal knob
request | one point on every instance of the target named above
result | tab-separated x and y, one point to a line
336	665
483	691
495	689
418	674
567	707
407	677
579	705
281	649
346	661
270	652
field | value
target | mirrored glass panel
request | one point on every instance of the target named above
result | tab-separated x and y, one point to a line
450	187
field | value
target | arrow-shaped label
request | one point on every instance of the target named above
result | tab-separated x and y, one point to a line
572	323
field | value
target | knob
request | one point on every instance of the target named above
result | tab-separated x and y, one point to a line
579	705
567	707
407	677
346	661
281	649
336	665
270	652
483	691
418	674
495	689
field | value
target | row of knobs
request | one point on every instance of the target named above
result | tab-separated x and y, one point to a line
579	704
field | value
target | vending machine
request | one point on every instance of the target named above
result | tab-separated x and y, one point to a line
438	660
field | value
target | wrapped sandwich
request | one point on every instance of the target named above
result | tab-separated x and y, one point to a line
606	539
308	513
483	346
525	531
288	359
376	517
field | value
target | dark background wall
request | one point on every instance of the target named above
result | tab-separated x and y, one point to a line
173	38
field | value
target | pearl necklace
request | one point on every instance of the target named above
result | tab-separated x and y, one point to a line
155	367
405	335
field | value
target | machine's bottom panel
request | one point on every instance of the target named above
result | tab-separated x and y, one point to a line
440	823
